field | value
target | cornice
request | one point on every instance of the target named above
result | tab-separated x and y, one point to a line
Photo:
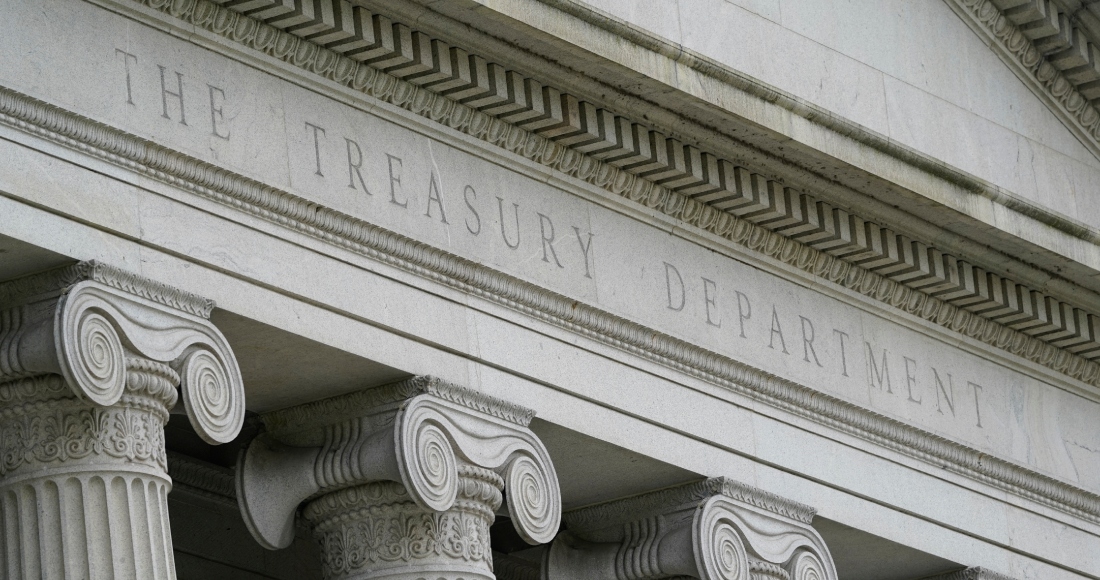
280	207
1049	53
621	511
56	282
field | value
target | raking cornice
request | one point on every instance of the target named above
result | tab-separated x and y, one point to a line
1050	54
212	182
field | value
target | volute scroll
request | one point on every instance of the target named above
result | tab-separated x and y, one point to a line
423	434
83	322
716	529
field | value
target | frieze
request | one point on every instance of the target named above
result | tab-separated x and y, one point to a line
624	157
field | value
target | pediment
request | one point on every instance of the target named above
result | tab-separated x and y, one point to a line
1053	47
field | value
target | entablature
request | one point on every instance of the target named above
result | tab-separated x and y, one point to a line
747	208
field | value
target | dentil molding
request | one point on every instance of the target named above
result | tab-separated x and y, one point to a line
1048	52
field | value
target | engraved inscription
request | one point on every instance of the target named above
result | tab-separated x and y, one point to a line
172	92
789	333
370	167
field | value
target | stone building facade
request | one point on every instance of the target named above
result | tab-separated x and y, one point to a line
550	289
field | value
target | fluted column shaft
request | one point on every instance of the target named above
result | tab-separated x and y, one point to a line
83	488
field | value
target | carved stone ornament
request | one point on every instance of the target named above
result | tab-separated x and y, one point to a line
90	358
717	529
83	321
401	480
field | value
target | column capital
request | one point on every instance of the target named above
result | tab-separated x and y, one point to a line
716	529
83	322
418	433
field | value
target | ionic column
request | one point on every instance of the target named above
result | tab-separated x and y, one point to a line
90	360
399	482
716	529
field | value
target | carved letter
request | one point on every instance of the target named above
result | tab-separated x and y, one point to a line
164	93
669	271
843	355
316	146
216	114
466	193
500	205
873	371
395	180
911	377
977	407
548	242
744	310
777	331
710	300
126	65
948	394
808	341
353	166
585	247
434	194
